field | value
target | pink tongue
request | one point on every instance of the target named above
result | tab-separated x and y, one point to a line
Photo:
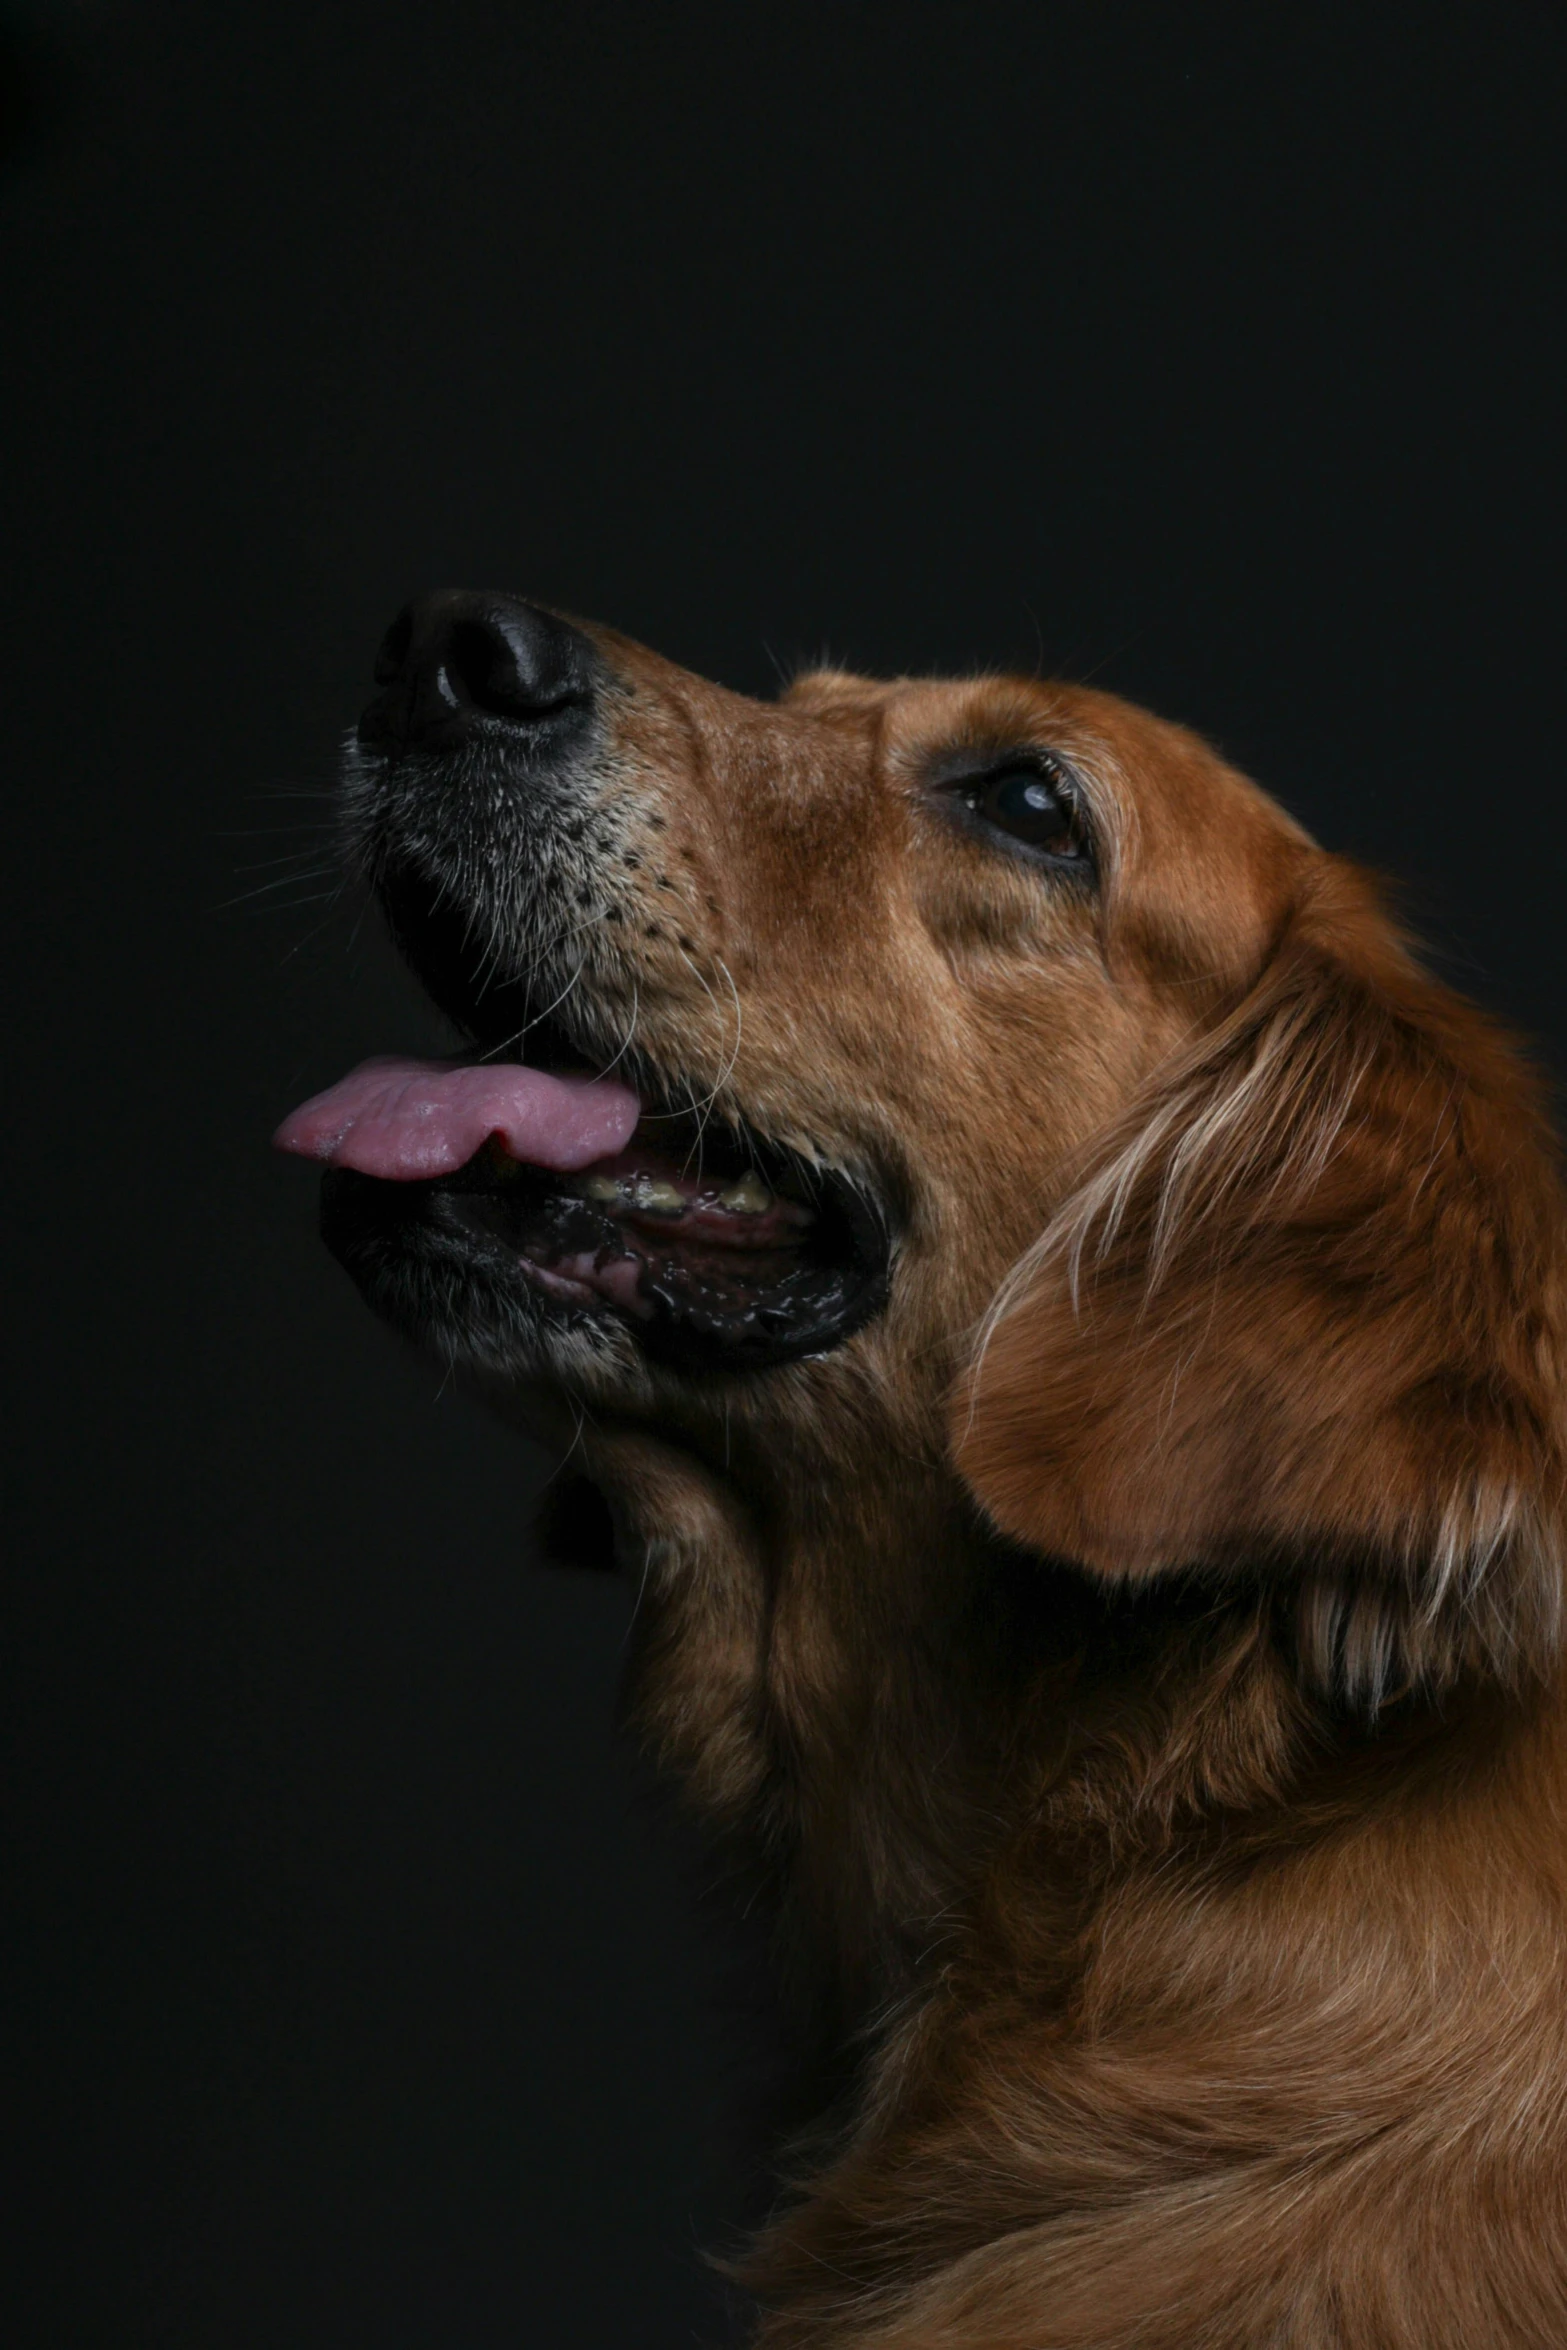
405	1119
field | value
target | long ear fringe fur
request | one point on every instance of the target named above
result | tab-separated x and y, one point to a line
1303	1313
1485	1604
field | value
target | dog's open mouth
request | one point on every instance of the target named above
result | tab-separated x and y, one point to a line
719	1249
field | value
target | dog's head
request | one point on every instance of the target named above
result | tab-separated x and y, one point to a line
847	1000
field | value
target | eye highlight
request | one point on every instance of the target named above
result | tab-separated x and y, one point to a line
1030	802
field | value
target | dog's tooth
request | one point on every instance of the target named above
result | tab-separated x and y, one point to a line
663	1198
748	1197
603	1188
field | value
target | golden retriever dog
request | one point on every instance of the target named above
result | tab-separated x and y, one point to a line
1067	1318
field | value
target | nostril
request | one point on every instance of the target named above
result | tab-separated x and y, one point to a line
392	659
482	670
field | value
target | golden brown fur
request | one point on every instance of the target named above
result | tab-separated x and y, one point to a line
1136	1654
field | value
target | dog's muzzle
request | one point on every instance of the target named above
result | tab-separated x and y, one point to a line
536	1186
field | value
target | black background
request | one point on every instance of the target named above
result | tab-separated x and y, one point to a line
363	1997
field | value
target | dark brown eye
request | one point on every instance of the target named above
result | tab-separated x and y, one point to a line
1028	805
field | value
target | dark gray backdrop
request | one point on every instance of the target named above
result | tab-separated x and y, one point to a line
1212	352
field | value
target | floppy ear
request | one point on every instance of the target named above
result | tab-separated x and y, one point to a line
1303	1316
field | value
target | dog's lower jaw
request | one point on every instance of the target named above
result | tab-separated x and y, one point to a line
481	1320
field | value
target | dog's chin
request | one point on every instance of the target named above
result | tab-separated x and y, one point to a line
463	1297
592	1282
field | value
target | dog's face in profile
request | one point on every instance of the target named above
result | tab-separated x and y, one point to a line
911	1008
885	957
889	981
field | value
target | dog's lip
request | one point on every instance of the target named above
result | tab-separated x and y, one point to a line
636	1228
802	1286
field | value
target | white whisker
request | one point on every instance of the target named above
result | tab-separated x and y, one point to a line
701	1110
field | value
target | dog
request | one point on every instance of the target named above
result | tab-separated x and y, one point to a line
1066	1316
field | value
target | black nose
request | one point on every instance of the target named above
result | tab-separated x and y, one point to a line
456	664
